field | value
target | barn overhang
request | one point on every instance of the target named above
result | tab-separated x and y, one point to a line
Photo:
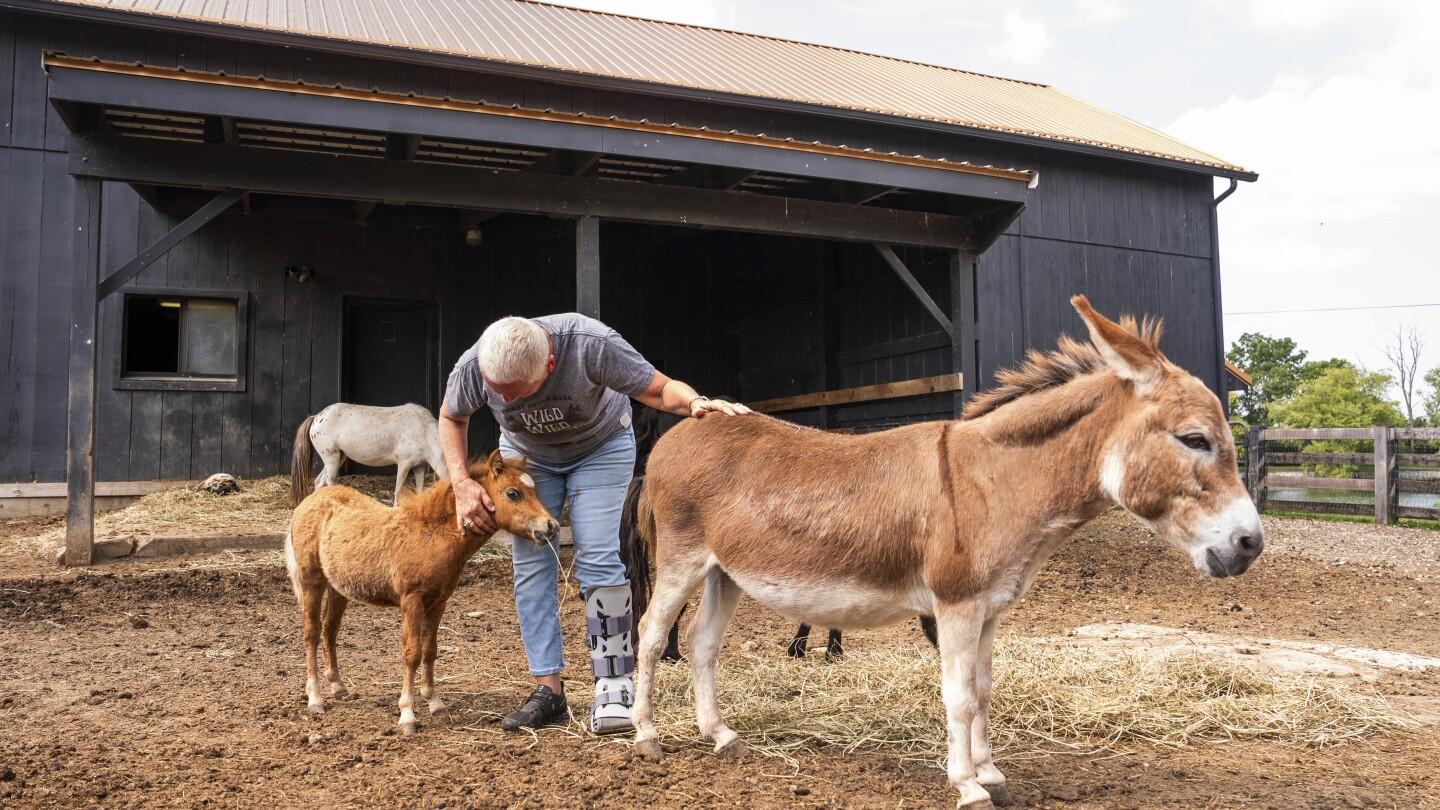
525	160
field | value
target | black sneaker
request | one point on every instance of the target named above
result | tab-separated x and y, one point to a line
542	707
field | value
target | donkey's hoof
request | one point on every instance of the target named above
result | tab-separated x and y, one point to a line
650	750
339	692
441	713
733	748
316	709
407	728
999	794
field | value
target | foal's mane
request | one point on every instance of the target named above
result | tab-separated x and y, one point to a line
1045	370
436	504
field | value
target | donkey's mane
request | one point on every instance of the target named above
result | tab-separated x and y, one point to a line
1044	370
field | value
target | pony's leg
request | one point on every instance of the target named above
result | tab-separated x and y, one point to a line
437	707
707	635
799	642
311	599
676	580
335	605
989	776
402	471
960	626
412	632
418	474
332	458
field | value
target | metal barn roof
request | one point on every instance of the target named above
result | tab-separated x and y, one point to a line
541	35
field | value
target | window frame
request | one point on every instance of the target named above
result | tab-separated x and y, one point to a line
182	382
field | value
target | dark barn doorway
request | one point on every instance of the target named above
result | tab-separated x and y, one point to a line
390	352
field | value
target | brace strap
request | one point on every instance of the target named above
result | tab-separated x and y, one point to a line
622	698
612	666
609	625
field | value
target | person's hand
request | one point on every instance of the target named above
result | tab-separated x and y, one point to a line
700	406
473	509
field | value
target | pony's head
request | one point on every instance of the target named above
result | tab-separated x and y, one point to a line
518	509
1170	461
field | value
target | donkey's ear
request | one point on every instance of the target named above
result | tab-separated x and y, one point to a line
1127	355
495	463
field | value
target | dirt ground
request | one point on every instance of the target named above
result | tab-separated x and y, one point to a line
180	683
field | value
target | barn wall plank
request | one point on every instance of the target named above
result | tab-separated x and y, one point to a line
52	320
119	237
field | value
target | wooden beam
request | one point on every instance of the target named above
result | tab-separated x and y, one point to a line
964	339
1387	495
865	393
161	246
916	289
1274	481
103	489
80	400
401	147
587	266
560	161
363	210
220	129
319	175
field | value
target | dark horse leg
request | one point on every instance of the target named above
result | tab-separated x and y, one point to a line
797	644
833	647
672	641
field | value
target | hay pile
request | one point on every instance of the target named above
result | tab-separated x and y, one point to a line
1046	697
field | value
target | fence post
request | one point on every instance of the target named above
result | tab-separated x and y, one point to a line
1255	465
1387	490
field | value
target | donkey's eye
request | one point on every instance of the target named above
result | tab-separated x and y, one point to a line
513	494
1195	441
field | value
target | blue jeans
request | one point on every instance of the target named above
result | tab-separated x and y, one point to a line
595	487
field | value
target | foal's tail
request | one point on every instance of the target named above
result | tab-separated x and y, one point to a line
637	544
300	463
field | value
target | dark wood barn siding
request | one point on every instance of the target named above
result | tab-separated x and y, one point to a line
739	314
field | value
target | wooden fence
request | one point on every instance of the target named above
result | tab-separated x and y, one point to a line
1263	460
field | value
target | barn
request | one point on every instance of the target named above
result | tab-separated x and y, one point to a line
219	218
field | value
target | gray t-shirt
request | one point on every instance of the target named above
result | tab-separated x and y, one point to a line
583	402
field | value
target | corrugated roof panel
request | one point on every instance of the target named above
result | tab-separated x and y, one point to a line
544	35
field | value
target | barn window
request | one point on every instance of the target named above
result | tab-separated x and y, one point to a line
182	341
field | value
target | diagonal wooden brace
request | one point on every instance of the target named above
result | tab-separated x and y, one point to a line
161	246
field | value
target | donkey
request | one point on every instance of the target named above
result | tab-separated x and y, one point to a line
953	519
405	435
344	544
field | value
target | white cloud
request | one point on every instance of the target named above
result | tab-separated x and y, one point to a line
1024	41
717	13
1101	12
1349	193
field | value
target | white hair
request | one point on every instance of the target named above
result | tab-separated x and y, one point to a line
513	350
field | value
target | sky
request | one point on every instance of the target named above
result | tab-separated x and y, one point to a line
1336	103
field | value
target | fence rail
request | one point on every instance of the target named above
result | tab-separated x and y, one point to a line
1385	482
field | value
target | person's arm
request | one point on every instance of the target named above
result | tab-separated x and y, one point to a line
471	501
674	396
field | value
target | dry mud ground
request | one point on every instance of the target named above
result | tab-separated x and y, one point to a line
179	683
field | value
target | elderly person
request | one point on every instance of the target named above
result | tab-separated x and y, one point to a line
557	385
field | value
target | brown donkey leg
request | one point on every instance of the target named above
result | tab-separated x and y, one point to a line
438	709
311	597
335	605
412	634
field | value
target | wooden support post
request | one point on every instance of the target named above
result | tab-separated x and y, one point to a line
1387	491
1255	466
587	266
824	336
80	425
963	338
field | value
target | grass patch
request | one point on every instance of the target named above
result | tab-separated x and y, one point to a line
1408	523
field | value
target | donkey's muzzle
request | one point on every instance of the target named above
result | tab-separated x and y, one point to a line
1233	556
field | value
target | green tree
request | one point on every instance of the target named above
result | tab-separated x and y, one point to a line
1314	368
1274	364
1340	396
1432	400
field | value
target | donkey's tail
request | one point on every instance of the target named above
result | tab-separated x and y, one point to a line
637	544
300	463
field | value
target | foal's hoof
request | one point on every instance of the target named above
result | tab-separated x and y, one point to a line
999	794
441	713
316	709
732	749
407	728
975	804
339	692
650	750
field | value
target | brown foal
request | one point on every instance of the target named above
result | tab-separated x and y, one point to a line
951	519
344	544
